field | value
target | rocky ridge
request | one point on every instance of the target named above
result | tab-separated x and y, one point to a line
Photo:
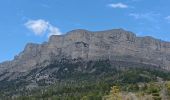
115	44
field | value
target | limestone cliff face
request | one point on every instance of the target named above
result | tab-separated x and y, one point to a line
116	44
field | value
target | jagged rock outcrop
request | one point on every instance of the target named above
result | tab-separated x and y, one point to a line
116	44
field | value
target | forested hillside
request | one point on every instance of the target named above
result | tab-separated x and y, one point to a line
93	80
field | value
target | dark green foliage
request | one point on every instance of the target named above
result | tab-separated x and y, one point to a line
78	79
85	91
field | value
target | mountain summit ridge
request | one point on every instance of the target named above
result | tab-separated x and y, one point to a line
114	44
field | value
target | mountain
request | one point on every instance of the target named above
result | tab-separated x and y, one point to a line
82	55
116	44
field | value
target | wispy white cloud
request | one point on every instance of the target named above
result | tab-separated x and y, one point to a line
45	5
41	27
118	5
146	16
54	31
168	19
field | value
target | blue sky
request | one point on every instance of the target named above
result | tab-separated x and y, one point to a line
23	21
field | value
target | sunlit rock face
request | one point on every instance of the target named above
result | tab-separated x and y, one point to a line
116	44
